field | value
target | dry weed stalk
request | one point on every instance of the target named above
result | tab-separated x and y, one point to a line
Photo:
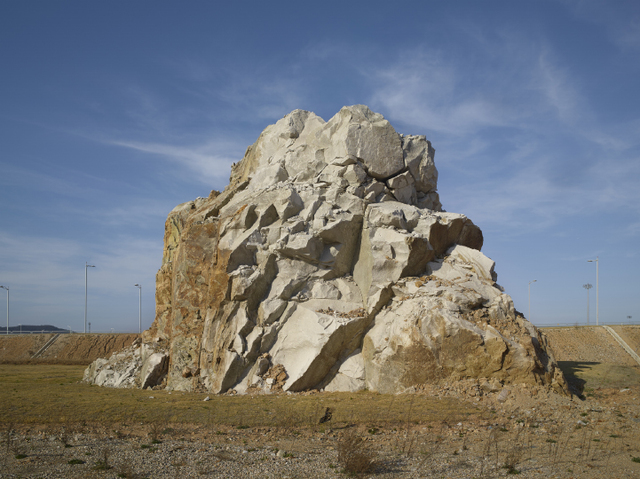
431	449
66	432
103	463
354	455
514	454
492	443
409	439
8	440
157	428
126	471
8	437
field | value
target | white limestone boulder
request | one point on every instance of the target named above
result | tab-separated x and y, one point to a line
328	263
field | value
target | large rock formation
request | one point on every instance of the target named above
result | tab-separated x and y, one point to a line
328	263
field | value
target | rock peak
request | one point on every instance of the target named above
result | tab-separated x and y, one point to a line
356	149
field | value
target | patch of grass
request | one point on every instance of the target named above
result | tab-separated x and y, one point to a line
20	456
76	461
40	399
587	376
635	459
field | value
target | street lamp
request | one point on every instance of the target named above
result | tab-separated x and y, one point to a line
529	318
86	265
596	261
587	286
7	288
139	286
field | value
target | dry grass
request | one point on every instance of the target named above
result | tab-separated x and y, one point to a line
51	394
354	455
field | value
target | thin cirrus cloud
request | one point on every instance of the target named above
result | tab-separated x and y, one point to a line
549	184
434	94
204	162
555	87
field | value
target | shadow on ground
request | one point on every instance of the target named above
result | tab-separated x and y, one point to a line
591	375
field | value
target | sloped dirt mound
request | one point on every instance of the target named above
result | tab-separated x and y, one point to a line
66	349
587	344
630	335
21	347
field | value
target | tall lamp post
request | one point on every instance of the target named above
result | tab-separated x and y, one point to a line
139	286
533	281
86	266
7	288
587	286
596	261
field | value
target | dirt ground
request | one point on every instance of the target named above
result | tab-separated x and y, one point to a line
66	349
533	433
529	431
630	335
593	344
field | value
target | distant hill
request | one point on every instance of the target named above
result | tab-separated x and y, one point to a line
29	328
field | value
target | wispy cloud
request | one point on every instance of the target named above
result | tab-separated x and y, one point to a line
426	92
208	163
528	147
557	89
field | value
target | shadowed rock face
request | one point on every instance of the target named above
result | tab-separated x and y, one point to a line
328	263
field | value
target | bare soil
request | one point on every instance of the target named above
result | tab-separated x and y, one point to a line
66	349
592	344
630	335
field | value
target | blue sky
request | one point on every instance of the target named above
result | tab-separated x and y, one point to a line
112	113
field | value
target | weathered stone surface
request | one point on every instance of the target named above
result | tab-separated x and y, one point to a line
328	263
455	323
154	369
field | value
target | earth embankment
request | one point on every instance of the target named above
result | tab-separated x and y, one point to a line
65	349
591	358
593	344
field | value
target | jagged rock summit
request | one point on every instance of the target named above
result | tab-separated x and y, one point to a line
328	263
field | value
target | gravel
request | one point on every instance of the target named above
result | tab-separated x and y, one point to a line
541	433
